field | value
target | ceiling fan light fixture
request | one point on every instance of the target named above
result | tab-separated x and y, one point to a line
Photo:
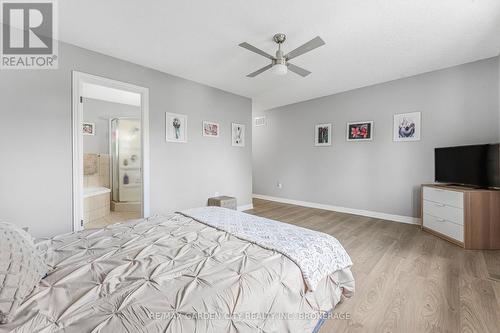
279	64
280	69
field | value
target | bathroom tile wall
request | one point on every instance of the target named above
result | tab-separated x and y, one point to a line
96	170
104	176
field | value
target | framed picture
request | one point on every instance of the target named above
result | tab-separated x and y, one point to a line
176	127
211	129
323	135
360	131
88	129
238	135
407	126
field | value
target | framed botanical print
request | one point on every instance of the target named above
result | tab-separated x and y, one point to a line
407	126
176	127
211	129
237	135
360	131
323	135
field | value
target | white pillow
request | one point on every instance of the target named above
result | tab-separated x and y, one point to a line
21	268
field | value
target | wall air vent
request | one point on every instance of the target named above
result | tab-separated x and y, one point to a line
260	121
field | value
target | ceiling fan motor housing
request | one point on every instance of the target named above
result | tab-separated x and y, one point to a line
279	38
280	59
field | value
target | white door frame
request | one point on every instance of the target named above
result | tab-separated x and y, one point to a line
79	80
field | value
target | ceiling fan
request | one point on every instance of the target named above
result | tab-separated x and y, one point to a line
279	63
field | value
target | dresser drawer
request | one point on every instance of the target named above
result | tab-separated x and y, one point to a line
443	211
444	227
450	198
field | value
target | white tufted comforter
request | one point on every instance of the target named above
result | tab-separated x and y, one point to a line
317	254
172	274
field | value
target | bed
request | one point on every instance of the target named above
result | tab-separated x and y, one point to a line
195	271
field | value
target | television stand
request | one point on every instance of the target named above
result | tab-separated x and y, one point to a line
461	186
466	216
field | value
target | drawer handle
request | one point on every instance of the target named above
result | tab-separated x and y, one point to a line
440	220
439	205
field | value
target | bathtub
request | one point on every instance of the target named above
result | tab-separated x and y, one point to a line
93	191
96	203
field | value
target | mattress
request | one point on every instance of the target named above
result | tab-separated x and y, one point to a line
172	274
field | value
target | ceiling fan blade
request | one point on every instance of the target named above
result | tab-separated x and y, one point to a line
257	72
298	70
310	45
256	50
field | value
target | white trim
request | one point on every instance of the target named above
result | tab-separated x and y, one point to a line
78	81
77	140
361	212
245	207
112	95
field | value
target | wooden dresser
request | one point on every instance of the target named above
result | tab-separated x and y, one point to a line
465	216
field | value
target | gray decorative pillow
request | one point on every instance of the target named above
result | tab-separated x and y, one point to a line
21	268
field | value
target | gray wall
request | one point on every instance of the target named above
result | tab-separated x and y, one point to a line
459	106
99	112
35	141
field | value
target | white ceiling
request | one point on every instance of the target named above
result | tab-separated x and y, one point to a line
367	41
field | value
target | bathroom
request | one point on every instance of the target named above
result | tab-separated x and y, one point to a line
112	177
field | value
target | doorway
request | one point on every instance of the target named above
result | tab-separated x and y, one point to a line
110	151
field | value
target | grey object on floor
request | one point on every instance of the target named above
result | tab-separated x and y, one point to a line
223	201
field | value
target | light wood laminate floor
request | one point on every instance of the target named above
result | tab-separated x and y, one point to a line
406	279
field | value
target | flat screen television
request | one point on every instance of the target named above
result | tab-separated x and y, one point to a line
475	165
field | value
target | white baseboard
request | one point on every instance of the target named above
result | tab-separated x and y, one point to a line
377	215
245	207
